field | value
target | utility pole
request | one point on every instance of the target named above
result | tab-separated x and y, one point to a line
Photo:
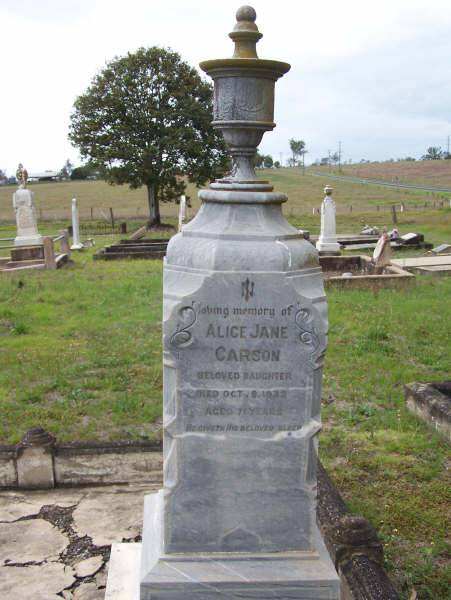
281	158
447	147
328	160
339	157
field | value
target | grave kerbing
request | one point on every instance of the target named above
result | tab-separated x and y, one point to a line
244	336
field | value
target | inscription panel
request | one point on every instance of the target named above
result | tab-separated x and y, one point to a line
246	351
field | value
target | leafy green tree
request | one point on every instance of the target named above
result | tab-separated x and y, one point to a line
2	176
268	162
433	153
259	159
84	172
146	120
276	164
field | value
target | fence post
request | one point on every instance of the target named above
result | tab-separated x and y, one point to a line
92	213
112	218
393	214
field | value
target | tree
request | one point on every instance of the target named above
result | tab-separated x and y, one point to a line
268	162
84	172
3	177
146	120
66	171
277	164
334	158
259	159
297	148
433	153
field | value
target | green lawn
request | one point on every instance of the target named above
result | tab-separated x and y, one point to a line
80	350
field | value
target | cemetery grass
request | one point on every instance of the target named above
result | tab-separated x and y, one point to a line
80	350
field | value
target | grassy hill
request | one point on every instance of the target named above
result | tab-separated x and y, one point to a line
418	172
304	192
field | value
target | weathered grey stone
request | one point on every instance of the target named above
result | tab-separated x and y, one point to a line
41	582
89	566
8	475
123	575
95	468
35	455
113	519
244	335
26	218
30	541
88	591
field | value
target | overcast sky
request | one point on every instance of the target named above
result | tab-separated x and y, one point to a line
375	75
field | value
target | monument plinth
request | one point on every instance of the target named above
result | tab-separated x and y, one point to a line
244	335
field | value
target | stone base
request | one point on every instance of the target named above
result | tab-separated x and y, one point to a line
32	240
27	253
77	247
221	576
328	247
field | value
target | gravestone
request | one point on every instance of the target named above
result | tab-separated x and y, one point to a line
25	210
327	241
76	243
244	336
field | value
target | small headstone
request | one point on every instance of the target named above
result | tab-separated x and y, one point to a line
382	253
327	241
412	238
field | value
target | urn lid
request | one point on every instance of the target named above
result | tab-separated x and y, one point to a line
245	34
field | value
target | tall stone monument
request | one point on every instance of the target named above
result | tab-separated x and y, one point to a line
244	335
327	241
25	210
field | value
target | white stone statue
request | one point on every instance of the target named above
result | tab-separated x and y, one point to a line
25	210
182	212
76	243
327	241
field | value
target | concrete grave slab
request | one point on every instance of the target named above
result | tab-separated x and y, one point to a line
30	541
43	582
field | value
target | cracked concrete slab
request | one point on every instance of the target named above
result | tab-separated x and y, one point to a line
30	541
89	566
110	517
15	505
106	514
41	582
88	591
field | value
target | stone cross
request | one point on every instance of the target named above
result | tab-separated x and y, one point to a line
327	242
76	243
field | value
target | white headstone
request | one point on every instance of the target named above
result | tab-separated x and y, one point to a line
327	241
182	212
26	218
76	245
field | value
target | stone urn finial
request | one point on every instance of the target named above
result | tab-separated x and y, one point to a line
328	190
244	100
245	33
